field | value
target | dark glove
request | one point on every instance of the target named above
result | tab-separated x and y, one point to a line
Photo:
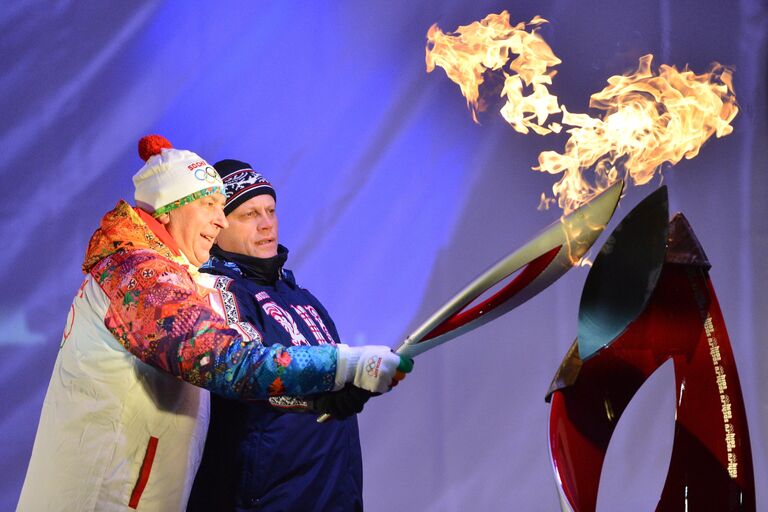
343	403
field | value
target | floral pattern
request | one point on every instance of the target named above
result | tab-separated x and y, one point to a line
157	314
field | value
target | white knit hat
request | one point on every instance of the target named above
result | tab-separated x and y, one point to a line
171	177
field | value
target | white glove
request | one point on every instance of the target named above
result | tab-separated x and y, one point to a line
371	367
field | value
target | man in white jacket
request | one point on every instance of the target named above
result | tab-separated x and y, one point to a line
126	412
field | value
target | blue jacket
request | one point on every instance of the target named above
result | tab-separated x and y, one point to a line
266	456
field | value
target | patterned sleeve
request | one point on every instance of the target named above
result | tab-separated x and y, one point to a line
156	313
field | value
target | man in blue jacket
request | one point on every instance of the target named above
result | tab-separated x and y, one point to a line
273	455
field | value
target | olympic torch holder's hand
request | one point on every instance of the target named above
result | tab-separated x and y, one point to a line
371	367
344	403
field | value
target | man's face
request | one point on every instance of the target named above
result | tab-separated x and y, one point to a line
252	228
195	226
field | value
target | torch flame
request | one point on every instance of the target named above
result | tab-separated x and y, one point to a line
489	44
650	118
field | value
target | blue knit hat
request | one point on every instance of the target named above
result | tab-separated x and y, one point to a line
241	183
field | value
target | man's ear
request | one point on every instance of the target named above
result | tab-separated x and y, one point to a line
164	219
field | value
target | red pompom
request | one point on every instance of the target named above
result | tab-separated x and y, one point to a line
151	145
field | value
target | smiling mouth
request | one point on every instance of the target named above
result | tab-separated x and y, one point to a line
265	242
209	238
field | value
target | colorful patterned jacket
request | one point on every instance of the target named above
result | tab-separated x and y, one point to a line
264	456
121	426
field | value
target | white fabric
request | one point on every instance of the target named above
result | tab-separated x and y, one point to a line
345	365
370	367
172	175
102	406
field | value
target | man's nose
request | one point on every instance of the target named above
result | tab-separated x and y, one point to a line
220	220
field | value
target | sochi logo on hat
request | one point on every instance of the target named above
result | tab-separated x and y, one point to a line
171	178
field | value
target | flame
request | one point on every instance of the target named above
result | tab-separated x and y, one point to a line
650	118
489	44
586	261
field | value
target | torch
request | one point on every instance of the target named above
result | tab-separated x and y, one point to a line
540	262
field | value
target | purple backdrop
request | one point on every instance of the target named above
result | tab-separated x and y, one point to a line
391	199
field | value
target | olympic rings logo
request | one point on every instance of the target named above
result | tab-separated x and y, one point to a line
208	174
372	366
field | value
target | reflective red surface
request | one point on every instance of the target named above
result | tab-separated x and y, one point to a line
518	283
711	462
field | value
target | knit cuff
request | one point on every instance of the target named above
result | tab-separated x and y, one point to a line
346	364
